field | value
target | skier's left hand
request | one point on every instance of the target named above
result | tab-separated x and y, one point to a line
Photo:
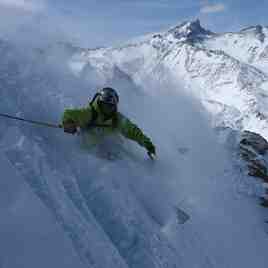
70	127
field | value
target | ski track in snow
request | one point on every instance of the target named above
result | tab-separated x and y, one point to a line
120	213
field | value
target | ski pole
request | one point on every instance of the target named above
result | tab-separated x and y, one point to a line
31	121
44	123
151	156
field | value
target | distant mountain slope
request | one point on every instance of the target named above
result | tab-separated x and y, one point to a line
222	70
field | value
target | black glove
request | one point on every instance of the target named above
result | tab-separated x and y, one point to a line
150	148
70	127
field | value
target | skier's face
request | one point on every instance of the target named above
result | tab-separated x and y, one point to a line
107	109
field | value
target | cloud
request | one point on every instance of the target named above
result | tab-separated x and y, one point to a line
25	5
148	4
165	4
213	8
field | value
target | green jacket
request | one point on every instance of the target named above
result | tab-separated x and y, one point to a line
118	123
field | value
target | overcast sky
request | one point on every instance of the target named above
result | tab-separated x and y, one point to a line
105	22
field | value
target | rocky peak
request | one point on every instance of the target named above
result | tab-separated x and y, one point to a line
190	31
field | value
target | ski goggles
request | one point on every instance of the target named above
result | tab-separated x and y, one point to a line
111	98
107	108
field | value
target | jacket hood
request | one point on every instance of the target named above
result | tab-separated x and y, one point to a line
95	105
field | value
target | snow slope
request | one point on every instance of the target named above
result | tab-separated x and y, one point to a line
121	213
29	235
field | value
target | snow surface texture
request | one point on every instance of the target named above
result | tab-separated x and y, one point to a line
63	207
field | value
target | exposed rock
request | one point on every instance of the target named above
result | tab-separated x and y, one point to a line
252	149
264	202
191	31
254	140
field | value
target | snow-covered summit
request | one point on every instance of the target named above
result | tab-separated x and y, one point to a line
191	31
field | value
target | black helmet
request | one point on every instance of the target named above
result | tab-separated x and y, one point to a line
108	100
108	95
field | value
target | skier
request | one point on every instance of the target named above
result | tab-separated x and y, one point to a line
102	115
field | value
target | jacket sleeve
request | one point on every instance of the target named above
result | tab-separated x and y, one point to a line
131	131
80	117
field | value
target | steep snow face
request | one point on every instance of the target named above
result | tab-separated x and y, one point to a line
123	213
29	235
94	201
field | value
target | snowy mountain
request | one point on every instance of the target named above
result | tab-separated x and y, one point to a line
227	72
250	45
188	89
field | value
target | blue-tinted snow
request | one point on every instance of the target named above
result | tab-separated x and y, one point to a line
63	205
